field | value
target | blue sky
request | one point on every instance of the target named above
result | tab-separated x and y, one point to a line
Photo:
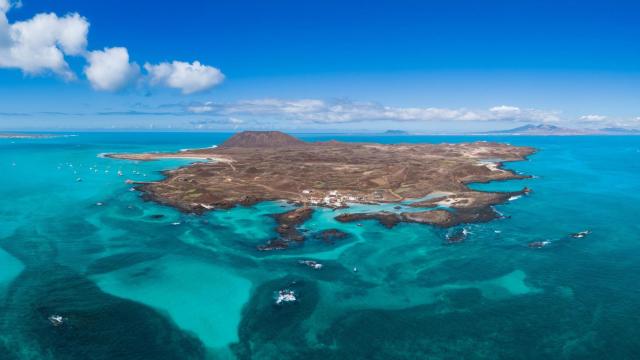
318	65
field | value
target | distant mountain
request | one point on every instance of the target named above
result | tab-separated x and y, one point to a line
620	131
543	129
262	139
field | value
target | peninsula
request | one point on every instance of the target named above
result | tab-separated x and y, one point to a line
254	166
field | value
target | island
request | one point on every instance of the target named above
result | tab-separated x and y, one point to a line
552	130
255	166
27	136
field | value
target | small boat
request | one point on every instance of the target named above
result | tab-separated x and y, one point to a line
119	172
286	295
312	264
539	244
79	180
581	234
56	320
99	204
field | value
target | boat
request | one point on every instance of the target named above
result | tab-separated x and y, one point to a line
581	234
312	264
56	320
285	295
539	244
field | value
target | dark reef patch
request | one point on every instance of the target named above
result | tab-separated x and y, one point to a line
118	261
97	325
268	330
330	236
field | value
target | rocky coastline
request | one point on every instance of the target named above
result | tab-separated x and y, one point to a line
252	167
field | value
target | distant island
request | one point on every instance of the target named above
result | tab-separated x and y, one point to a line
396	132
254	166
27	136
550	130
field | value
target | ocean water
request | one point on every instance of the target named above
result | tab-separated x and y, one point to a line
137	280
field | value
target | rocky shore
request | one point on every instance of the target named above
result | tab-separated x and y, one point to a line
287	229
475	209
260	166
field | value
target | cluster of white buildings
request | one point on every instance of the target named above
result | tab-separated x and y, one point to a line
332	199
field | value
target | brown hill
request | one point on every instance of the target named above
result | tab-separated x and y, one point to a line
262	139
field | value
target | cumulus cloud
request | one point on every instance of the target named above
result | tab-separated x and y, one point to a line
345	111
110	69
187	77
39	45
506	111
4	6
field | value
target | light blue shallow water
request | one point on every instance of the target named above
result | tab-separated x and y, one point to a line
136	280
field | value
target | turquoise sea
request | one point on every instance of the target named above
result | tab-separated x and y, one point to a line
137	280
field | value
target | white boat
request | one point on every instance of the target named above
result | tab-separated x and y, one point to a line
56	320
285	295
581	234
312	264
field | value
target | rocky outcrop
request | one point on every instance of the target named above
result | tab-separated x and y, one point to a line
287	228
388	219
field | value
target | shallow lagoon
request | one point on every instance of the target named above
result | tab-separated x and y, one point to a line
140	280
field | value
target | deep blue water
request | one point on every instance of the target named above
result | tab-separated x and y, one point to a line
136	280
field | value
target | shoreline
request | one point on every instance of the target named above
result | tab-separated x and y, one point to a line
434	177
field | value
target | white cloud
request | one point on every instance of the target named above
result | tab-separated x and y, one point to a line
110	69
506	111
345	111
201	108
39	44
5	5
189	78
593	118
